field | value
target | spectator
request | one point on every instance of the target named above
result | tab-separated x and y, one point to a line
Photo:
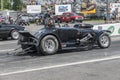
50	24
114	13
105	16
10	20
117	15
47	16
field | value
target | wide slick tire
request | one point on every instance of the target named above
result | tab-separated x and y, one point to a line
14	34
104	41
49	45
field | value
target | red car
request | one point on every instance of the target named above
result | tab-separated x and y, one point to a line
1	19
69	17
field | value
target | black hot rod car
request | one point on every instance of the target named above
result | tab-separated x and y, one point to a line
50	40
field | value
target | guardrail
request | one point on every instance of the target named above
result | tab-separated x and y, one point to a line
114	28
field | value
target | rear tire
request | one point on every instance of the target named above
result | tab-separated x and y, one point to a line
104	41
49	45
14	34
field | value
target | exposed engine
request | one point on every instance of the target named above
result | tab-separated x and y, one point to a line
85	38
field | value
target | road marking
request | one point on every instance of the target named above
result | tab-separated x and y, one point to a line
7	42
61	65
6	50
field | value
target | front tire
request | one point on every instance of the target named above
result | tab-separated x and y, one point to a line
104	41
49	45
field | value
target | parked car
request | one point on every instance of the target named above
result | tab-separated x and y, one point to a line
10	30
48	41
69	17
24	20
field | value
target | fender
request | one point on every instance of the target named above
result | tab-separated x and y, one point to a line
102	32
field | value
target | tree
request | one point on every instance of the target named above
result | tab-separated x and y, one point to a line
6	4
17	5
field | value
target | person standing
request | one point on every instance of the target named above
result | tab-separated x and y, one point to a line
105	16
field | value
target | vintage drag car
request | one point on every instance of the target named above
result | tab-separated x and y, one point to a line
49	40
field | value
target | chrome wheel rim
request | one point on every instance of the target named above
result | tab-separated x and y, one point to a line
49	45
104	40
15	35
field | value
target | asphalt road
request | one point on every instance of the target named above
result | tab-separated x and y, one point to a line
96	64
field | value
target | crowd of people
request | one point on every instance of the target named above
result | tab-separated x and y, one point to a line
112	15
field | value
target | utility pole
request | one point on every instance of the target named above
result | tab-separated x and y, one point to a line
1	4
107	11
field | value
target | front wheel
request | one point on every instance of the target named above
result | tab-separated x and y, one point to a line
49	45
104	41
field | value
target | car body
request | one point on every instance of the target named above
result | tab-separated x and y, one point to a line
10	30
86	26
69	17
50	40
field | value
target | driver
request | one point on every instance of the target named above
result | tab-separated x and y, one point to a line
50	24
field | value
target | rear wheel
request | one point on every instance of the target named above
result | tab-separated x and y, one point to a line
49	45
14	34
104	41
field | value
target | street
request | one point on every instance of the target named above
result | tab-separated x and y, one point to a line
95	64
66	65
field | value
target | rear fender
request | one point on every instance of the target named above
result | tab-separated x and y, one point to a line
107	32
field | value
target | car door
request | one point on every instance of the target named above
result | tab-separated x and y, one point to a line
68	34
4	30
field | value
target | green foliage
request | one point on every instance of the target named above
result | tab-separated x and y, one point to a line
6	4
17	5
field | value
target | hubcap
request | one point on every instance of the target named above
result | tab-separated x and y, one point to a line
15	35
104	41
49	45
